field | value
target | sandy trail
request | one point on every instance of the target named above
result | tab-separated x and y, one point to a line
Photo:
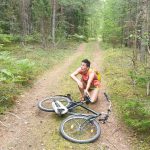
19	129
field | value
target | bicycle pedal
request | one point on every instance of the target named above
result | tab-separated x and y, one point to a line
87	99
69	96
87	102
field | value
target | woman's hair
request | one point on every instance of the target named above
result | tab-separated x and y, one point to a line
87	62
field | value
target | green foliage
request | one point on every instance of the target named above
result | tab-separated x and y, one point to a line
130	101
5	38
77	37
140	75
140	78
1	46
71	3
8	94
9	12
136	116
25	69
16	70
9	38
34	38
5	75
82	17
41	8
13	74
41	13
79	17
111	30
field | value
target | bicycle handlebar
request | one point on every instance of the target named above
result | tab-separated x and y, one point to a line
108	110
108	99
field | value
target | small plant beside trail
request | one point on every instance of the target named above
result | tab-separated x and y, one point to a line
15	71
13	74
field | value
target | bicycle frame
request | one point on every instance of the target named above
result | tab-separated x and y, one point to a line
81	104
95	114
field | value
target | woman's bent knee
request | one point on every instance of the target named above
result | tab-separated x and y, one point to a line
93	100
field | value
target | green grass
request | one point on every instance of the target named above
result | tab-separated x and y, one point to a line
130	101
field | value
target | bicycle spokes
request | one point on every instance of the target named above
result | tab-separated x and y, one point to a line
80	129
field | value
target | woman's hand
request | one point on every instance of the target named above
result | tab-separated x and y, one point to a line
86	92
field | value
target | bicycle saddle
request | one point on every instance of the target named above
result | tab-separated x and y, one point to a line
59	108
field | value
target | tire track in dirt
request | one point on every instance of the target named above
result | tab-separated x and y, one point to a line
17	125
113	136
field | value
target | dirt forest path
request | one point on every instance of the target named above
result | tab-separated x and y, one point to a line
26	128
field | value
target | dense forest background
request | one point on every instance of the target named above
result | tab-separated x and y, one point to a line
123	24
119	22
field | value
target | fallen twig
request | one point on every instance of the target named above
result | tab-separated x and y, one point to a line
115	130
14	115
3	124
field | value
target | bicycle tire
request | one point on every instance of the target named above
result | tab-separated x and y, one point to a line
93	126
46	104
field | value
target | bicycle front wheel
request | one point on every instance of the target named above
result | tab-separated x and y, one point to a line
46	104
80	129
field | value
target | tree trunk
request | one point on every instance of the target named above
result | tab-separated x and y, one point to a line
148	88
53	21
24	18
136	42
144	31
43	39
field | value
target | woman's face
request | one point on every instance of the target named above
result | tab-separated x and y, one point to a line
84	67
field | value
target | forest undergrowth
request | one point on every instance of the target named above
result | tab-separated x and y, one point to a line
130	100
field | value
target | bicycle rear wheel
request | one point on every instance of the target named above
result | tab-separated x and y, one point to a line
46	104
79	129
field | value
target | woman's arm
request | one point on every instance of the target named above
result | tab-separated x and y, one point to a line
73	76
91	77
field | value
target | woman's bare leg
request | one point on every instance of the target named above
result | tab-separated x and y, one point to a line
94	94
82	90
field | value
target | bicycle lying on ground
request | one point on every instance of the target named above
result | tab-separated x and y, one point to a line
78	128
